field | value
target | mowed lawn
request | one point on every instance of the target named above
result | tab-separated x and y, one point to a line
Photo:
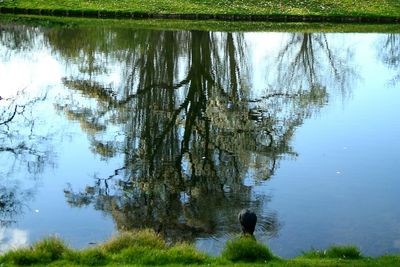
371	8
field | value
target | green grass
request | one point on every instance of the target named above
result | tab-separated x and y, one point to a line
340	252
222	8
143	239
91	256
178	254
45	251
248	250
146	248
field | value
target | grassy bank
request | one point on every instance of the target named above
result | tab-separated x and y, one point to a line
146	248
280	10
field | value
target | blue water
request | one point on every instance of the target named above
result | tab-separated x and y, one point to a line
330	101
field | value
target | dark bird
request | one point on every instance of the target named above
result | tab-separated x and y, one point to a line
248	220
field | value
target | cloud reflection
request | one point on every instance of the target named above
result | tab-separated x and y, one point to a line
12	238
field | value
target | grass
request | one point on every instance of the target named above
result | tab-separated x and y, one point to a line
45	251
91	256
143	239
146	248
222	9
340	252
248	250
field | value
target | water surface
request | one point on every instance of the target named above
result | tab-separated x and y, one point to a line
108	129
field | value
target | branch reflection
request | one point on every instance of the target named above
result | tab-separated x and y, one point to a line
390	55
22	149
309	61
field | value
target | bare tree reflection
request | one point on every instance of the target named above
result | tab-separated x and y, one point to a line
21	148
13	199
17	38
18	135
389	53
308	62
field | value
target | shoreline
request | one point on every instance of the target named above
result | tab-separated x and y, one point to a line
108	14
147	248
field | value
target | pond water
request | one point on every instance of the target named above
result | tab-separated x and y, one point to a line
104	129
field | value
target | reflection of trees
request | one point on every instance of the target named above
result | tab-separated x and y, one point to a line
390	54
17	38
307	61
21	148
12	201
190	132
18	136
